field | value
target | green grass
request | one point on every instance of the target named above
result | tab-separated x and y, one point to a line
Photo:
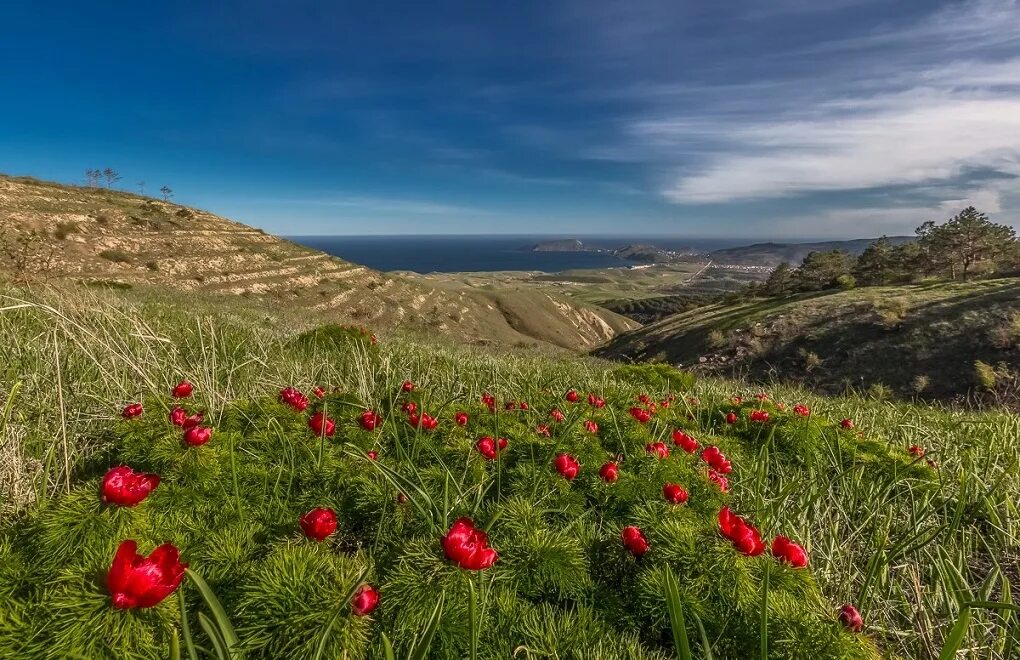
911	546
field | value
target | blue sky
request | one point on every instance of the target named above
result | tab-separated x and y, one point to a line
785	119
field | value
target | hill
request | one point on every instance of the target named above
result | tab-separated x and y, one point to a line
920	339
97	235
898	499
773	254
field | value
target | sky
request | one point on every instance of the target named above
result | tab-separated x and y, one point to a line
734	118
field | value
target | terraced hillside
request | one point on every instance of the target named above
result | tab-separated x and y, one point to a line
920	340
99	235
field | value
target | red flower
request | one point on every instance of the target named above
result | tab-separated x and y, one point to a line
716	460
197	435
319	392
468	547
182	390
373	454
410	407
523	405
461	418
917	451
407	386
557	415
135	580
658	448
424	421
571	396
318	523
719	480
488	447
802	410
543	430
847	423
851	618
179	417
590	426
567	466
685	442
610	472
370	419
131	410
599	402
509	405
591	398
321	425
737	400
674	493
641	415
401	498
664	403
489	401
731	417
759	416
744	537
761	396
786	550
125	487
634	540
366	599
294	398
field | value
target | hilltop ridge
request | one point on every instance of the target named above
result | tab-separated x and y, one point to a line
97	235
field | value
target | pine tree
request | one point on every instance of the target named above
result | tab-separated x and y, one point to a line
875	265
781	280
967	241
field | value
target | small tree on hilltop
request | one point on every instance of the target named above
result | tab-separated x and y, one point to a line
781	280
111	176
92	177
875	265
167	193
141	187
821	270
968	240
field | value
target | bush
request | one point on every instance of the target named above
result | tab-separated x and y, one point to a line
65	229
846	282
116	256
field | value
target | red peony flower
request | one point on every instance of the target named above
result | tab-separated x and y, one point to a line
510	405
370	419
590	426
319	392
567	466
591	398
125	487
634	540
737	400
523	405
321	424
178	415
851	618
410	407
294	398
759	416
135	580
731	417
847	423
131	410
557	415
461	418
489	401
684	441
366	599
786	550
197	435
401	498
468	547
318	523
599	402
373	454
488	447
761	396
716	460
424	421
641	415
571	396
610	472
802	410
719	480
407	386
543	430
658	448
744	536
674	493
182	390
917	451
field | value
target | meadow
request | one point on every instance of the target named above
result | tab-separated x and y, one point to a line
450	543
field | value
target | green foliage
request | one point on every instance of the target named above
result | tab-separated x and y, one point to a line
658	378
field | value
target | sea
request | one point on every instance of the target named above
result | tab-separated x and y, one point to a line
454	254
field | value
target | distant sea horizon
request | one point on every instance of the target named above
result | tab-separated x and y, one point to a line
457	253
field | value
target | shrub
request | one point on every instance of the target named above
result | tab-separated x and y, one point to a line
811	361
920	383
846	282
152	265
716	339
65	229
986	375
116	256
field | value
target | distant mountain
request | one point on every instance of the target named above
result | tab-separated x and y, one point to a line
772	254
564	245
649	254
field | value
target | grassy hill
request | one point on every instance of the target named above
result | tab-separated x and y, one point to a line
921	339
97	235
924	546
773	254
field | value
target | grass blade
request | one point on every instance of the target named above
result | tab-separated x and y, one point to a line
676	616
226	630
421	649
